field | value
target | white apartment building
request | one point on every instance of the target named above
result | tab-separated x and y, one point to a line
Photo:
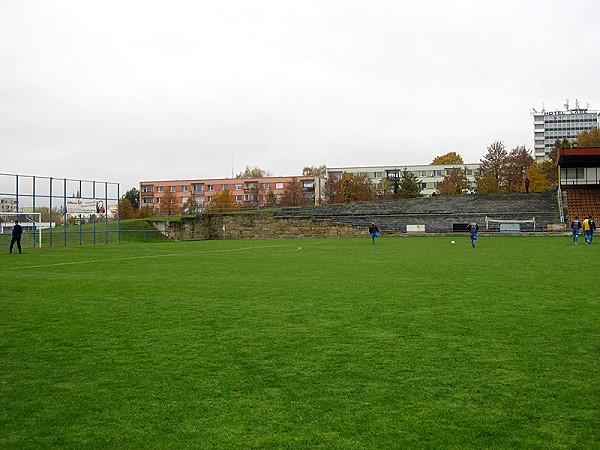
429	175
549	126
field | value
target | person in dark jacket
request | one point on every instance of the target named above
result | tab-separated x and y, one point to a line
373	231
17	231
575	226
473	229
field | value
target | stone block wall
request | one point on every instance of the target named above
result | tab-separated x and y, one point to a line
438	214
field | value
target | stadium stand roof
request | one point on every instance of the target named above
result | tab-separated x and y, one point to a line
578	157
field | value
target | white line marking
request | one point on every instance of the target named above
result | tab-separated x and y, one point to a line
129	258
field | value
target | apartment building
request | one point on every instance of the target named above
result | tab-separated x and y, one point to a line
567	124
8	205
428	175
251	192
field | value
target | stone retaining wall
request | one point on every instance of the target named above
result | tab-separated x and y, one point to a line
256	226
437	214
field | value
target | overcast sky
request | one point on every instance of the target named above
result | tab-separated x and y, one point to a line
125	91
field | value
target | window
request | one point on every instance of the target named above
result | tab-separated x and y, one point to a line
173	188
198	187
239	198
422	173
160	188
211	187
279	185
147	200
237	186
224	187
186	188
147	188
265	186
184	199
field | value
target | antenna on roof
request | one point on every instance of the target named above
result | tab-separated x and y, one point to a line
566	104
576	104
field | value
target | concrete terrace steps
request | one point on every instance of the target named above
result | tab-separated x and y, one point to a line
439	213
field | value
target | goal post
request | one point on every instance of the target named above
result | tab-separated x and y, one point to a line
32	227
507	223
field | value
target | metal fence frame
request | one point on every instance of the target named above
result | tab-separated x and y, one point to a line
32	193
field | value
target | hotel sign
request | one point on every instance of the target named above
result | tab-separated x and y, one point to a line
559	113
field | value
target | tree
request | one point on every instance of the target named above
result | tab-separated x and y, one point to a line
410	186
538	181
144	212
292	194
320	171
253	172
355	187
383	190
490	175
222	201
565	143
330	191
271	197
455	183
126	210
349	188
191	205
448	158
133	195
168	204
589	138
516	164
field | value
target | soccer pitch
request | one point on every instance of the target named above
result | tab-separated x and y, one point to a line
309	343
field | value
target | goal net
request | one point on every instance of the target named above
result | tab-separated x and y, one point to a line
509	224
32	228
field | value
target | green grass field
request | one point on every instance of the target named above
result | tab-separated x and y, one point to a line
330	343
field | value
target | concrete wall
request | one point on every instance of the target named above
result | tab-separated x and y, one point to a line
437	214
256	226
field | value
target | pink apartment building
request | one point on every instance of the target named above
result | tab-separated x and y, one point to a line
251	192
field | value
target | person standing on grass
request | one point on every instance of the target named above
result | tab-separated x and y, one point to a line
575	226
473	228
585	226
592	227
17	231
373	231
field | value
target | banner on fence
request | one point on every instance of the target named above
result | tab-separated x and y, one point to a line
82	206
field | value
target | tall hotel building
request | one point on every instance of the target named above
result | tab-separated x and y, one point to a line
552	125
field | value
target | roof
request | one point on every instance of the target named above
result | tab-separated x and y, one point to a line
578	157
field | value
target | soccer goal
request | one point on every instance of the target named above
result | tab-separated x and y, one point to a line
32	227
509	224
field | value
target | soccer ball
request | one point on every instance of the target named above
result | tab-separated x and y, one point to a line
453	242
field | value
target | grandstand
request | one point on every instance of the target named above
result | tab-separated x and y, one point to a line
579	170
442	214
